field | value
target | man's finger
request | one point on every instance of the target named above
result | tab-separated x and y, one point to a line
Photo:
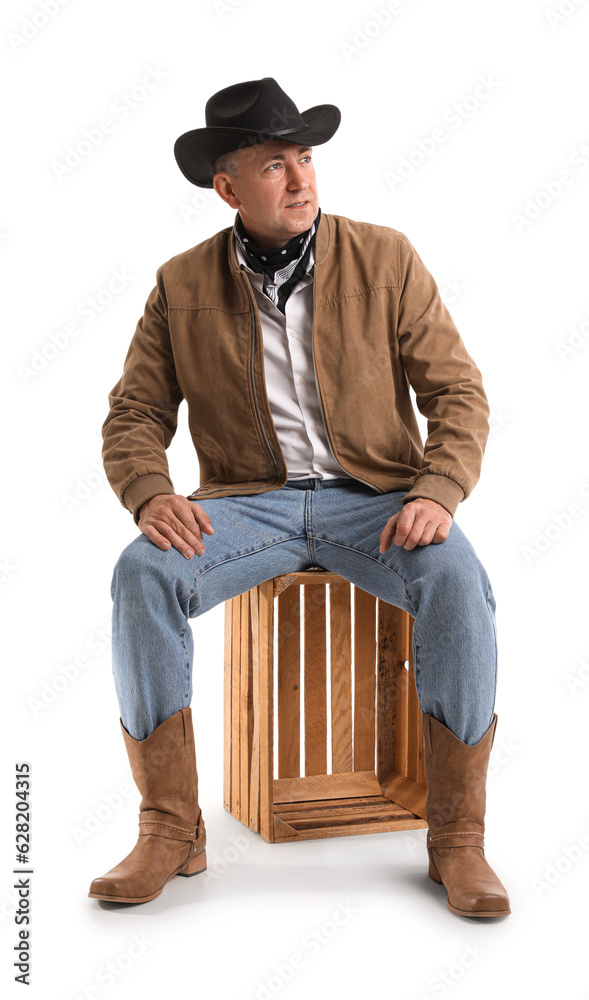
156	537
201	517
190	540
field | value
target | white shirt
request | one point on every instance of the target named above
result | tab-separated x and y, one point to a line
290	378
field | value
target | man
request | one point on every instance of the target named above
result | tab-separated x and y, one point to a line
294	337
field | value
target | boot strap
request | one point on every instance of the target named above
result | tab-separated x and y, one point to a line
156	823
466	838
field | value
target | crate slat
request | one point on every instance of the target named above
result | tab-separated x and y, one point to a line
289	683
342	747
315	673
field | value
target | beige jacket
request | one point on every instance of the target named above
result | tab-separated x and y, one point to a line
379	326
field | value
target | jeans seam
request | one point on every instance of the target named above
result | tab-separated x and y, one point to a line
187	665
221	562
491	616
309	527
350	548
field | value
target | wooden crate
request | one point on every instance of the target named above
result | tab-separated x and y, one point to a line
367	702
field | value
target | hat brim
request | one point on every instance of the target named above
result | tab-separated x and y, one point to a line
195	150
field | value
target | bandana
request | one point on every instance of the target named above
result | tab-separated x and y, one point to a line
283	267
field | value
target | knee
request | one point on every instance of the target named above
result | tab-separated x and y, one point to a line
464	577
137	560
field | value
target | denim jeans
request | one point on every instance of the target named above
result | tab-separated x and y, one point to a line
333	523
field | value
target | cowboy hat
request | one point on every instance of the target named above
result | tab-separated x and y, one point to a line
245	114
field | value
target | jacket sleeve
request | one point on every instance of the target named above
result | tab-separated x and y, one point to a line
143	414
448	388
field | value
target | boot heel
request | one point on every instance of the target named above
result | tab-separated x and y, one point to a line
434	873
195	865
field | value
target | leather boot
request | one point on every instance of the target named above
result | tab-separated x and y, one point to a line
172	835
455	808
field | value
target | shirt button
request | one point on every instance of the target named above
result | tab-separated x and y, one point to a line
319	466
293	333
301	381
313	427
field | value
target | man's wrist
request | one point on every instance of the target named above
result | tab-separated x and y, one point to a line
144	488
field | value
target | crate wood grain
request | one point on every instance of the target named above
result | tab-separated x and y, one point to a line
358	706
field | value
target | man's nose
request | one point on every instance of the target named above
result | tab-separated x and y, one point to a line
297	178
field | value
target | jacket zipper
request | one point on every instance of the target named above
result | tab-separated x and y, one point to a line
253	381
218	489
372	486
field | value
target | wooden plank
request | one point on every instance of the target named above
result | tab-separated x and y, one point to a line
405	792
244	707
386	657
289	702
355	811
364	679
414	733
282	582
314	805
401	695
266	707
347	830
235	714
341	675
227	706
326	786
315	673
316	576
254	772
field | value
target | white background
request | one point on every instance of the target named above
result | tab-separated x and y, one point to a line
522	290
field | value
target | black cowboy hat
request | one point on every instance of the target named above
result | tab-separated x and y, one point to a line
246	114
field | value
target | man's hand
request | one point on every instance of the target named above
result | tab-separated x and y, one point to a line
169	519
420	522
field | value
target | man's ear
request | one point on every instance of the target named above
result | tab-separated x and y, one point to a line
223	187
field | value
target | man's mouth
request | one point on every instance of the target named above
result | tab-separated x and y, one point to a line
297	204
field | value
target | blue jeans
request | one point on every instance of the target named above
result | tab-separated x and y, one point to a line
333	523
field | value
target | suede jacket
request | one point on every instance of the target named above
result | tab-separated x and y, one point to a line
379	326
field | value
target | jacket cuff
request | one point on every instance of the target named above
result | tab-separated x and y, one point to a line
442	489
143	488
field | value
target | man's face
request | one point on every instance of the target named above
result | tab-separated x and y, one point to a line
272	177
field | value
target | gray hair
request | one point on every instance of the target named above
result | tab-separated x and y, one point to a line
226	162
